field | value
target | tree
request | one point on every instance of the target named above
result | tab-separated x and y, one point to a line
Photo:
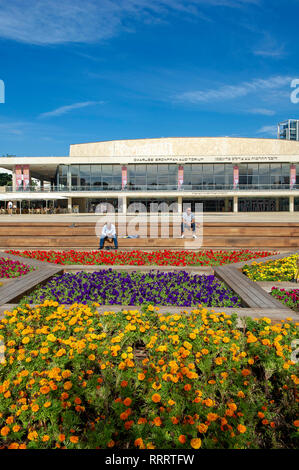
5	179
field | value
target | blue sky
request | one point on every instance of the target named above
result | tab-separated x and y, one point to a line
79	71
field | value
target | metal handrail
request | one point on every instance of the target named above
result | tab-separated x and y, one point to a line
134	188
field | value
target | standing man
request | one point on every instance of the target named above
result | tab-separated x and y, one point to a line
9	207
108	232
188	222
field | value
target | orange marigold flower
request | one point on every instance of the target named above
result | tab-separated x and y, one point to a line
246	372
61	437
13	445
296	423
32	435
128	424
241	428
111	443
182	439
138	442
232	406
174	420
68	385
45	438
123	416
142	421
187	387
196	443
4	431
202	428
141	376
157	421
66	373
127	401
123	384
74	439
212	416
156	397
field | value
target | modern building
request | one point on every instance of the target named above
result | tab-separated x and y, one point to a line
289	130
225	174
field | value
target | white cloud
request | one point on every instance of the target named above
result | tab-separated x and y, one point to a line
12	128
268	130
229	92
262	111
66	109
64	21
279	52
269	47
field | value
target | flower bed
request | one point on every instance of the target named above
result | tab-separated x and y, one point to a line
289	298
273	270
11	269
139	258
110	287
74	379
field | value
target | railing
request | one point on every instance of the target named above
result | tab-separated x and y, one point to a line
134	188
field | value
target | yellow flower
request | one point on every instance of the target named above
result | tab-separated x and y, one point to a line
51	338
195	443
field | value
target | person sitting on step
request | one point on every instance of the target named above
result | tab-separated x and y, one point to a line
108	232
188	222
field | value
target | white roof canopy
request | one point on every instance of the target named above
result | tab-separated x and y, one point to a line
30	197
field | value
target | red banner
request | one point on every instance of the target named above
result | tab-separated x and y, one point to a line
180	176
292	176
26	176
18	170
124	179
236	177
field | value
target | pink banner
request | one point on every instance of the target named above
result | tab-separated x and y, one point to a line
18	170
180	176
124	179
26	176
236	177
292	176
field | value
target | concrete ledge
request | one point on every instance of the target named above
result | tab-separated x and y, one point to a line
267	285
208	270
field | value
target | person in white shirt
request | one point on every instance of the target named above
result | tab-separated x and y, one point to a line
9	207
188	222
108	232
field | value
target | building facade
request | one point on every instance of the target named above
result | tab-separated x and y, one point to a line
289	130
225	174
